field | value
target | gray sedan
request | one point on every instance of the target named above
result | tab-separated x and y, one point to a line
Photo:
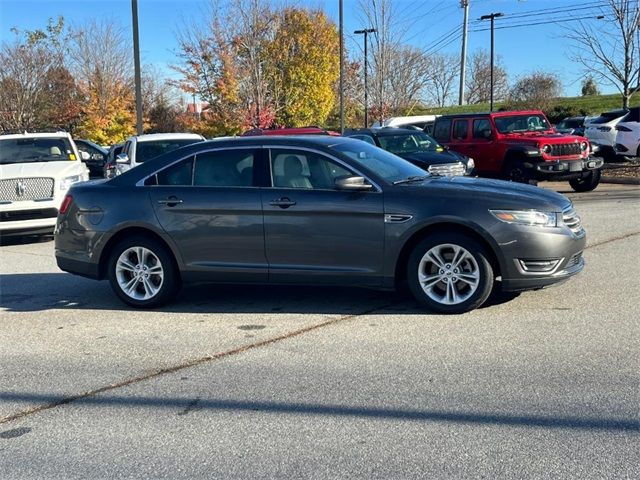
314	210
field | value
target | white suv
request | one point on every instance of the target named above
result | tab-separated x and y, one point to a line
36	170
141	148
628	136
602	131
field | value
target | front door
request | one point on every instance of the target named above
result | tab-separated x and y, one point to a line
314	232
210	207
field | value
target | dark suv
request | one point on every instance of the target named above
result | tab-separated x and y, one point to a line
314	210
520	146
418	148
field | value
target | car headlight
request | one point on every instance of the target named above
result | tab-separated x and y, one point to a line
66	182
546	149
471	164
584	146
527	217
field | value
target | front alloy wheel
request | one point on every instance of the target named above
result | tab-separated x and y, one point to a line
142	272
450	273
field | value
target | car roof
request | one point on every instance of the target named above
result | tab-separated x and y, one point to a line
503	113
311	130
384	131
36	135
167	136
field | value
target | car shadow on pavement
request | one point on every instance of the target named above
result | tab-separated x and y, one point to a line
32	292
184	406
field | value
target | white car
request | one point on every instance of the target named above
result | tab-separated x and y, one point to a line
421	122
36	170
602	131
140	148
628	134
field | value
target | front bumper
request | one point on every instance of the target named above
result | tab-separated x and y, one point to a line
560	167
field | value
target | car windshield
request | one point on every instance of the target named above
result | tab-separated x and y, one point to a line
35	149
571	123
521	123
384	164
409	143
150	149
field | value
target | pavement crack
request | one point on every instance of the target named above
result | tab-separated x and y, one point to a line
611	240
188	364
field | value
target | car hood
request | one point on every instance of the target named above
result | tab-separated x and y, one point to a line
434	158
495	193
42	169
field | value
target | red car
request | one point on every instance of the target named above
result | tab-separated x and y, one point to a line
520	146
290	131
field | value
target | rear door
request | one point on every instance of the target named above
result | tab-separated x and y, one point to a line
315	233
210	207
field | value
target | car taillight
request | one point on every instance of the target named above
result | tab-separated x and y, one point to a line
622	128
66	203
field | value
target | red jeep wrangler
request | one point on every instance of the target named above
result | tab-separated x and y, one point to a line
520	146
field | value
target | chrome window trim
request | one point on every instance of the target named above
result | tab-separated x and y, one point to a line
324	154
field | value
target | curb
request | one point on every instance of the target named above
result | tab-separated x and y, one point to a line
620	181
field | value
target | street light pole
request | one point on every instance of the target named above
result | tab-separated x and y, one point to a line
365	32
340	8
491	17
136	63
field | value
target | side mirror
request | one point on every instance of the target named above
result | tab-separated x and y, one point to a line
84	156
352	183
122	158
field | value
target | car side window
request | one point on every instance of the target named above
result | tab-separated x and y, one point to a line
224	168
365	138
460	129
442	130
178	174
305	170
482	128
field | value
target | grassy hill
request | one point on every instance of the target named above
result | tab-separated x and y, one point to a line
560	107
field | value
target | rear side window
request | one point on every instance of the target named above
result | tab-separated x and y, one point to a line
442	130
481	128
224	168
460	129
179	174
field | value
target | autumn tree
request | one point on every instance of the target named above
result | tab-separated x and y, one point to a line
609	48
101	60
303	61
478	84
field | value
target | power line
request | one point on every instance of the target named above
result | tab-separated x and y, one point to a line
545	22
552	11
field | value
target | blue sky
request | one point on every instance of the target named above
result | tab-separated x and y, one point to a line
522	49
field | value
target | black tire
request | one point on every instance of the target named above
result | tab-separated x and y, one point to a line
167	287
515	171
440	242
588	182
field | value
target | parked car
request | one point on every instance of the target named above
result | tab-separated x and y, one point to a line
602	131
97	157
422	122
141	148
110	169
520	146
573	125
36	171
418	148
628	134
311	130
314	210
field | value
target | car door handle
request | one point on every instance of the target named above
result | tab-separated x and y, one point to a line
170	201
282	202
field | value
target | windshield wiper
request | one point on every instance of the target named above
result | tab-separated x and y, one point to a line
414	178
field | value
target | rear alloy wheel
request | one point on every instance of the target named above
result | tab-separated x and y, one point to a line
142	273
588	182
516	172
450	273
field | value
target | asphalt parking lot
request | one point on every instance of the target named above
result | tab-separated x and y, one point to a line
299	382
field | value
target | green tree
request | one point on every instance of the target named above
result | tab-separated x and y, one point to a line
589	87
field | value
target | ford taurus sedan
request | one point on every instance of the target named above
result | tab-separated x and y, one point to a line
314	210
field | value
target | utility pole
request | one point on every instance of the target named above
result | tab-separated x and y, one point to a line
136	63
491	17
340	8
365	32
463	57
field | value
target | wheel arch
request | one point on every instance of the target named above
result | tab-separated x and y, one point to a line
440	227
127	232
